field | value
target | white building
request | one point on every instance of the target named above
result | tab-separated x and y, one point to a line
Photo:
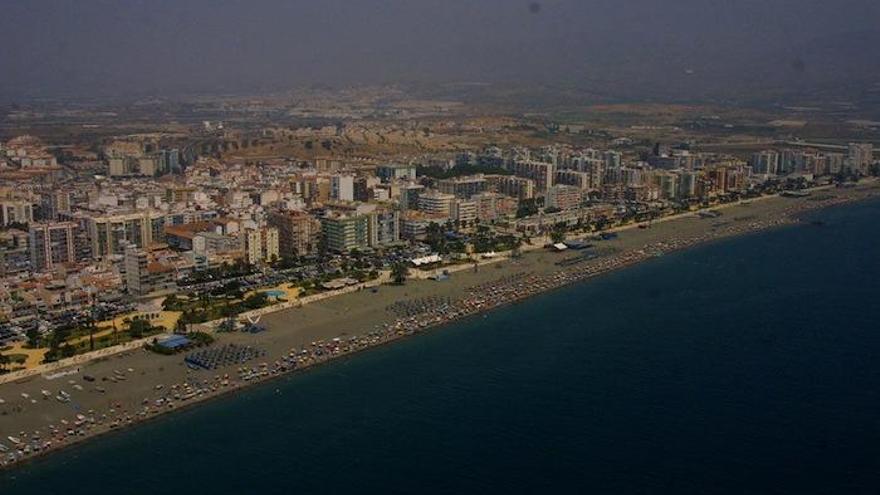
260	245
437	204
464	211
342	187
860	157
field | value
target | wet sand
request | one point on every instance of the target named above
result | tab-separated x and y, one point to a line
338	317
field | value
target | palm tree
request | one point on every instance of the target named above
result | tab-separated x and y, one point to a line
181	327
91	327
516	252
399	272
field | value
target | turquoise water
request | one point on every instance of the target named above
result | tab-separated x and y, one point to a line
274	293
746	366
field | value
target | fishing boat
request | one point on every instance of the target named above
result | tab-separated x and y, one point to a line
14	440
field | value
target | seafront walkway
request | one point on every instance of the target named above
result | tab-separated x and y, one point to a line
384	278
211	326
61	365
73	362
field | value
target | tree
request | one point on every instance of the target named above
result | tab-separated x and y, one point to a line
557	235
180	326
171	303
137	328
68	351
231	290
4	362
59	336
33	338
91	326
399	272
516	250
256	301
287	261
436	237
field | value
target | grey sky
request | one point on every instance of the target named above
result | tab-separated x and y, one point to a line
90	47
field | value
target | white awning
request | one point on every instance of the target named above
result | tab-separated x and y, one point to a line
426	260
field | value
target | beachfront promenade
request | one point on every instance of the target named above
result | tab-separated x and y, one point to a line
73	362
212	326
384	278
294	348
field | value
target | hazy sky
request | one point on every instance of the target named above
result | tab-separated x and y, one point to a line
87	47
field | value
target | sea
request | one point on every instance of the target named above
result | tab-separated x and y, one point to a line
744	366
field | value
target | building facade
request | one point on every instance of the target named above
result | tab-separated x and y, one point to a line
298	232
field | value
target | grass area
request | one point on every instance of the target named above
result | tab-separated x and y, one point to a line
32	357
17	358
69	341
137	329
207	308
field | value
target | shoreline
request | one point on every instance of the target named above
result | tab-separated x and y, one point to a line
383	279
491	295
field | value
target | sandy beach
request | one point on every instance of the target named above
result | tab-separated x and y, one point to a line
46	413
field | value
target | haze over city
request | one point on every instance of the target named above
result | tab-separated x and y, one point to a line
635	48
